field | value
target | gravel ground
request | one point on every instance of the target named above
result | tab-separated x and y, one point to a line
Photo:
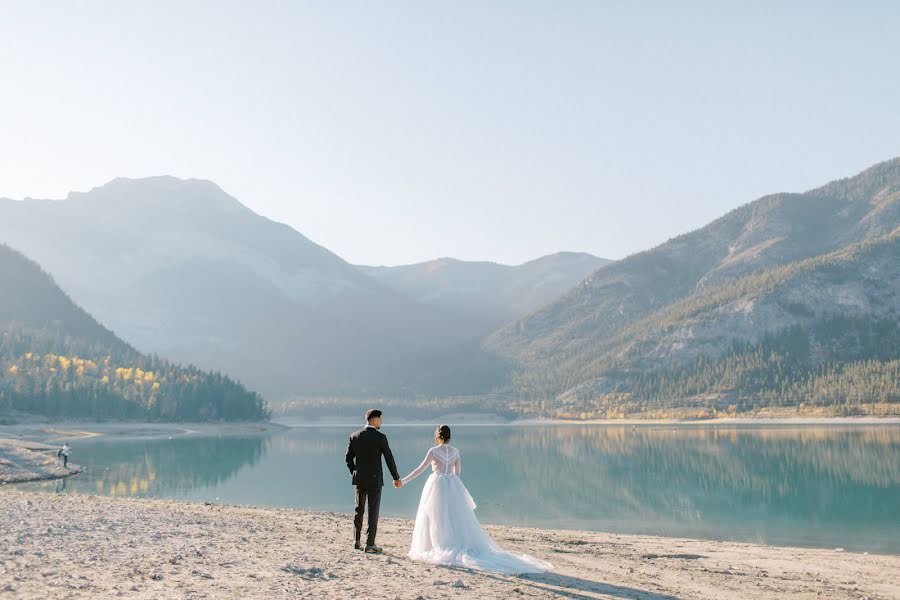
81	546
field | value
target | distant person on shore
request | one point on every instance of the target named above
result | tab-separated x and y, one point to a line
65	454
364	453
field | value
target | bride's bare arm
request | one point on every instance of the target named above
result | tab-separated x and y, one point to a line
418	470
457	464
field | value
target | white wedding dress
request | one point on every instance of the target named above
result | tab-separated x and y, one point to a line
447	531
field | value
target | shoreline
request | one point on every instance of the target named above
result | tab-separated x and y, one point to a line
94	546
738	421
731	421
22	461
59	431
28	450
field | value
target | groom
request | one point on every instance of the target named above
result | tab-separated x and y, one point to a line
364	461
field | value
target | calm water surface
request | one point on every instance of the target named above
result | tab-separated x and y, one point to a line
810	486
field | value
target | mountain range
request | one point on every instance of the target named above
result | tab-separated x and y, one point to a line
791	299
486	292
182	269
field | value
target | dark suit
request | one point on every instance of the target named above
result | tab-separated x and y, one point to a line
364	453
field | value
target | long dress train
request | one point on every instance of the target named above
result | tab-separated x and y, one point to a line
447	532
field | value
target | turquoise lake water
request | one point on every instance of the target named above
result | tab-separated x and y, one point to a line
822	486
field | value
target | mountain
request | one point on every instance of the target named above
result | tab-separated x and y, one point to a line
56	360
764	305
789	299
180	268
488	293
32	300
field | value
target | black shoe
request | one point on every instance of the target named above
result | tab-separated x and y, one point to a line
373	549
356	546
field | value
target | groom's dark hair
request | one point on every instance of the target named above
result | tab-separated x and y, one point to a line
372	413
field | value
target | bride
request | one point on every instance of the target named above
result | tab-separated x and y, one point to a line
447	531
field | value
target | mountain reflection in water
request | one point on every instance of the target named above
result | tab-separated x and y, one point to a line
822	486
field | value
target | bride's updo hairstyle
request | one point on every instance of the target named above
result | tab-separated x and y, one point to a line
442	434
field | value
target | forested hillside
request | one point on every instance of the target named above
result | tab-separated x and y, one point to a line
790	300
56	360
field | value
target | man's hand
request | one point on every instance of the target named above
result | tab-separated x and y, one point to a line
398	484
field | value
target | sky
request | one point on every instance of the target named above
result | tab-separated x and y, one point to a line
397	132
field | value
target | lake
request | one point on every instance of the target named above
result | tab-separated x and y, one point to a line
822	486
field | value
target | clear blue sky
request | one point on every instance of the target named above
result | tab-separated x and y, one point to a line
393	132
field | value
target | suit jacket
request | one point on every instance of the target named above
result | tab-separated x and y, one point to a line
364	453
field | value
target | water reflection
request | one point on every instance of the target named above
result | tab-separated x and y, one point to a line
159	468
819	486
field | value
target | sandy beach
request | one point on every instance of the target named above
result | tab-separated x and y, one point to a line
71	546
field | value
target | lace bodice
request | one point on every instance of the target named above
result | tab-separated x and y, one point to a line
444	460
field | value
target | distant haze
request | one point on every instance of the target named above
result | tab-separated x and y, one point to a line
792	296
180	268
501	131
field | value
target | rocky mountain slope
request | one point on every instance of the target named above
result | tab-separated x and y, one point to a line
811	277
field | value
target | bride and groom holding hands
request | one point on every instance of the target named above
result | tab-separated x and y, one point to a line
446	532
